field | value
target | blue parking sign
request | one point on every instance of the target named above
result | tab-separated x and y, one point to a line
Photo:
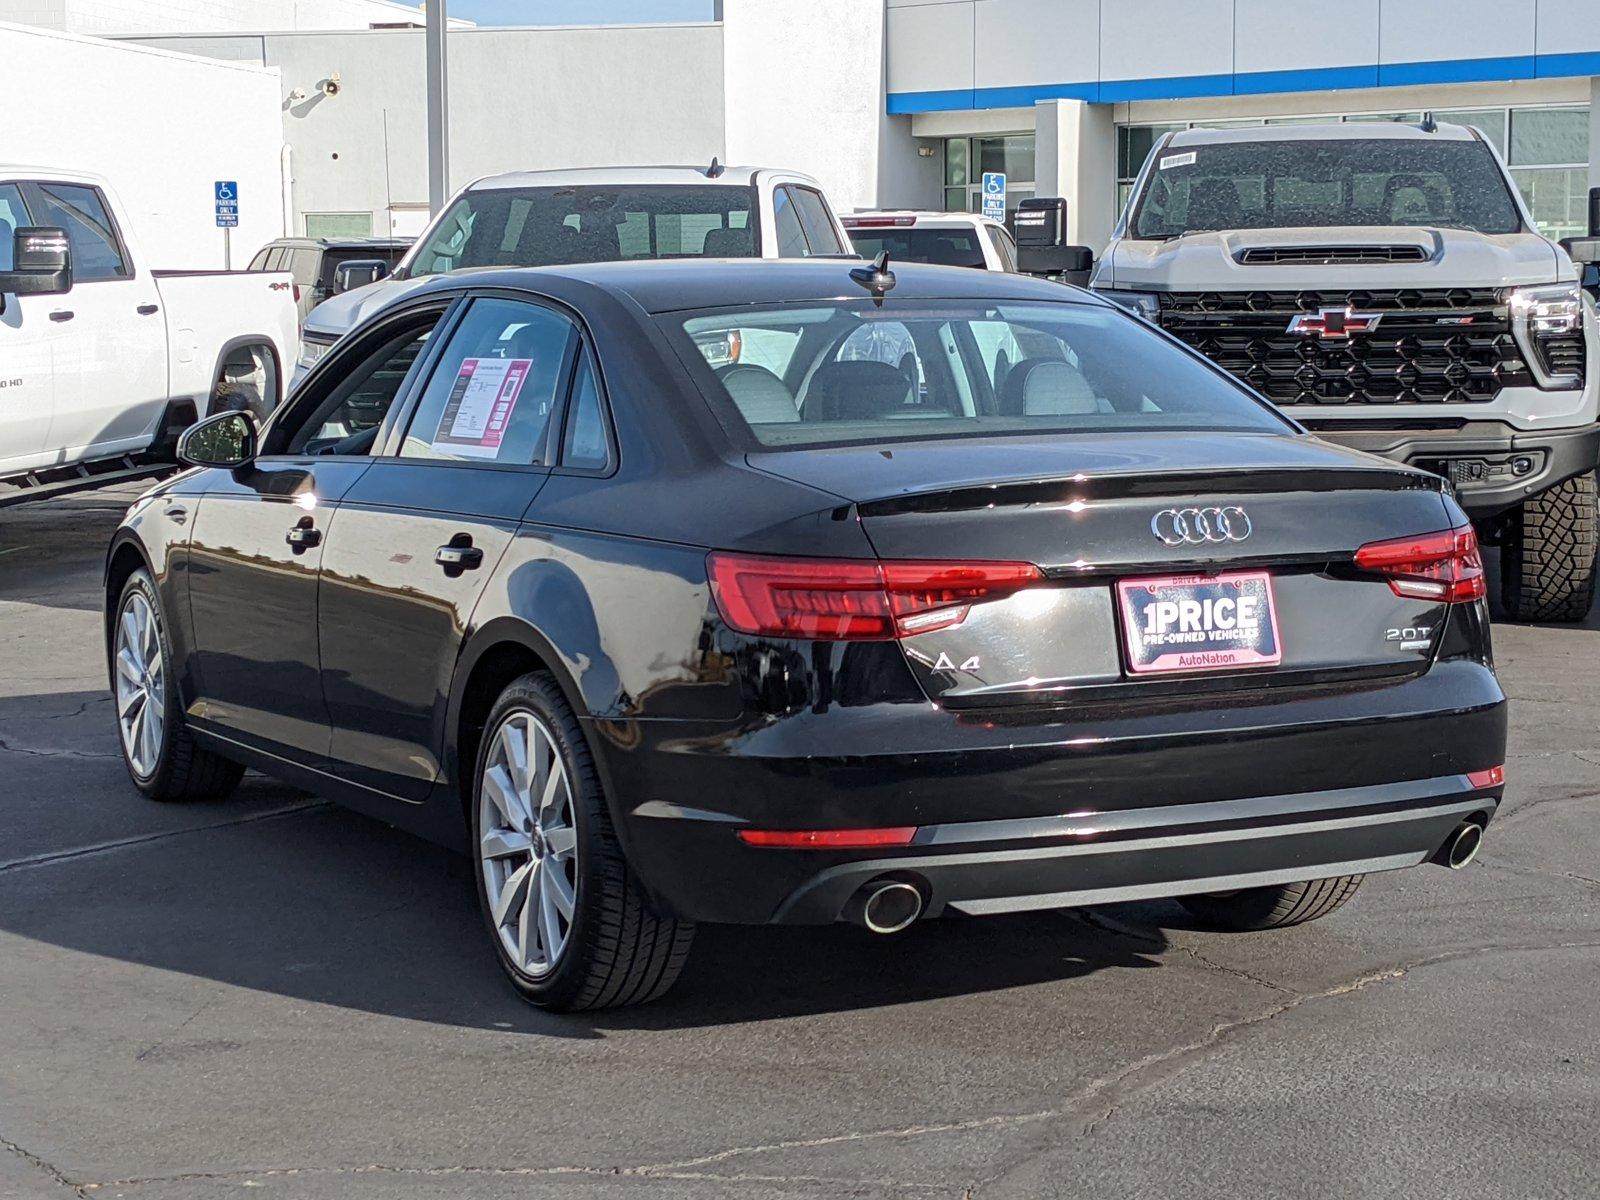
226	192
994	195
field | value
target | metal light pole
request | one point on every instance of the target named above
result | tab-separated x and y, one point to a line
438	107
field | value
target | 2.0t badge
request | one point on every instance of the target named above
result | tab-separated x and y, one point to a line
1197	526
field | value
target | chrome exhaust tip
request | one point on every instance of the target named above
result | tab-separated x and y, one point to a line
887	906
1461	847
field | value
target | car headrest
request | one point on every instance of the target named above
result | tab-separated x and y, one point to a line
730	243
854	390
762	398
1056	389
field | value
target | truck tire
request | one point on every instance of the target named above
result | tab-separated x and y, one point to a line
1273	907
1547	556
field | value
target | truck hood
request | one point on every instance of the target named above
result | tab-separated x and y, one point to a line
338	315
1202	262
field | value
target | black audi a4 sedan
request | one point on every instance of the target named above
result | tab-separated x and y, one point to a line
769	592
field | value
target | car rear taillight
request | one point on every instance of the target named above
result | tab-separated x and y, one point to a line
1443	566
828	839
841	599
297	293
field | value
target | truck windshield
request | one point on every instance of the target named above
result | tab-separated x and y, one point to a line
551	226
1328	182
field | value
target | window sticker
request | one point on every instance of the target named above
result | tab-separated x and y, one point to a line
1178	160
479	409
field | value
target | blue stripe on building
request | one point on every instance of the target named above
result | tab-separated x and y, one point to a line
1255	83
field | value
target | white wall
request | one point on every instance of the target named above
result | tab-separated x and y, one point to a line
520	99
805	90
108	17
162	127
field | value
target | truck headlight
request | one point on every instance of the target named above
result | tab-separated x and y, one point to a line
1547	322
1140	304
312	348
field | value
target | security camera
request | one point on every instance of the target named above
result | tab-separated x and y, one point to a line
331	85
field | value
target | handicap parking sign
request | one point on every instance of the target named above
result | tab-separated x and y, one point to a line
994	195
226	192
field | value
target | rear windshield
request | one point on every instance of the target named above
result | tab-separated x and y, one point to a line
842	372
1279	185
945	247
537	227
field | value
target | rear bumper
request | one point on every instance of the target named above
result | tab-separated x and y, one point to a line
1162	852
1482	458
1087	807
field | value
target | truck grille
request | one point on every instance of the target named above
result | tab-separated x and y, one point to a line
1430	346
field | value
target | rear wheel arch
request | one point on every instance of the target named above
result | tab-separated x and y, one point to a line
502	651
250	353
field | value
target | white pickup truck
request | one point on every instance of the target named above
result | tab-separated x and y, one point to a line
103	360
552	218
1386	287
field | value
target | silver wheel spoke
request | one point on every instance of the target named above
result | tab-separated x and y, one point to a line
129	703
502	793
526	925
549	925
558	890
555	788
503	843
562	840
514	749
128	668
515	887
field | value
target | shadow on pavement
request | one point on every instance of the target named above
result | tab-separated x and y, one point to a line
277	892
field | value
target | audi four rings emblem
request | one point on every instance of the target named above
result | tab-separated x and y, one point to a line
1197	526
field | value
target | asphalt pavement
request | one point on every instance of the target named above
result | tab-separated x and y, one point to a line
274	994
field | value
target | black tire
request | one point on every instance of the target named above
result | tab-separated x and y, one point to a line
1547	556
1273	907
619	951
184	769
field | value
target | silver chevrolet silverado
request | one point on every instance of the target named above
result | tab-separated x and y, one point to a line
1385	286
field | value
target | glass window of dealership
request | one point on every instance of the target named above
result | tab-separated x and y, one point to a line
1546	147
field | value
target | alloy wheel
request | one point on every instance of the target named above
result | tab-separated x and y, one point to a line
141	685
529	843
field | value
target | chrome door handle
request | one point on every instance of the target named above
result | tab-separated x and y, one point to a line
303	536
460	555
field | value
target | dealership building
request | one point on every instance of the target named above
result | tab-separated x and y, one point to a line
903	103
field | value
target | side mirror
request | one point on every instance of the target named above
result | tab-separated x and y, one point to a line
41	262
358	272
225	439
1040	226
1056	260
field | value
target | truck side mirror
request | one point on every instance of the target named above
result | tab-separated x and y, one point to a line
1585	252
225	439
41	262
358	272
1042	249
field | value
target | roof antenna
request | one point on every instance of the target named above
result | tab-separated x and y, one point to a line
715	170
1429	125
877	278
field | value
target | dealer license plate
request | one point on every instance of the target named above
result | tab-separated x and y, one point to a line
1199	622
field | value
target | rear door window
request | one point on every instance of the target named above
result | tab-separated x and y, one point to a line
585	446
791	234
97	251
815	219
490	397
12	216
